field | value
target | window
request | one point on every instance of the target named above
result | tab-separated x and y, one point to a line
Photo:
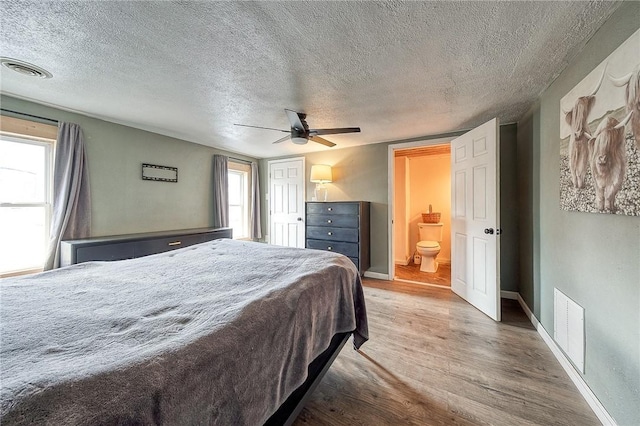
25	200
239	175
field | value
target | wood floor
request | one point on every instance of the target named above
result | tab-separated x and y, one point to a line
433	359
412	272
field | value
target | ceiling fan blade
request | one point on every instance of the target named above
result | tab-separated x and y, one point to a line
334	131
322	141
283	139
294	119
260	127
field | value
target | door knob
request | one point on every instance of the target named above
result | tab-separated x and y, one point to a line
488	230
299	219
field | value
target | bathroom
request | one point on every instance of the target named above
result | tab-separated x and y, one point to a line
422	178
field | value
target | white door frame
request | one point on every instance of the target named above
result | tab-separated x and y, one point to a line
391	189
304	188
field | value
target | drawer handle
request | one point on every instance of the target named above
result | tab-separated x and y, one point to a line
330	208
175	243
329	233
328	220
329	248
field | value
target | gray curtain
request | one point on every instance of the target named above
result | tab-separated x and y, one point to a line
220	192
71	218
256	229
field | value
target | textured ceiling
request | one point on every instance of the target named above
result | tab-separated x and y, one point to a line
193	69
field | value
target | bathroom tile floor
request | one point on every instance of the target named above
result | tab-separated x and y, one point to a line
412	272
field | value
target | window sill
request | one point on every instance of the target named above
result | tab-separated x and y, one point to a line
19	273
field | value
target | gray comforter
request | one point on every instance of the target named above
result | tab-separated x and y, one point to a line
217	333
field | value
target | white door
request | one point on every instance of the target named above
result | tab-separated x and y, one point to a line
286	205
475	218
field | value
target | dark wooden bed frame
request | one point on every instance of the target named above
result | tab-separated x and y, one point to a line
290	409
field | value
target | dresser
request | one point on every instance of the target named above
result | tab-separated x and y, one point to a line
341	226
129	246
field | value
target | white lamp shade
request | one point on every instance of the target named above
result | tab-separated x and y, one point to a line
321	173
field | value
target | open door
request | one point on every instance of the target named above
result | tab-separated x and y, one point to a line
475	218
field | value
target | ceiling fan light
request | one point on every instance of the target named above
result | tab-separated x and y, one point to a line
299	140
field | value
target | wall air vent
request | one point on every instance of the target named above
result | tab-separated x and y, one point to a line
568	328
25	68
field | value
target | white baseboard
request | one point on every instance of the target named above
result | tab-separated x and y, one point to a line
403	262
528	312
505	294
376	275
575	377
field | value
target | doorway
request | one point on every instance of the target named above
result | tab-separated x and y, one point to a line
422	201
475	216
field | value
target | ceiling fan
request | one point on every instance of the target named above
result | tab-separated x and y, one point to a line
300	132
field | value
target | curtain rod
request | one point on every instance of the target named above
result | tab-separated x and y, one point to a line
29	115
240	160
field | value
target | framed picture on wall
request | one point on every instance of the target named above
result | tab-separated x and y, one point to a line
600	137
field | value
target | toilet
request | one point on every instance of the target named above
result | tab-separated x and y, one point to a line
428	247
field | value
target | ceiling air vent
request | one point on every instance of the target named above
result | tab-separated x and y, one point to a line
25	68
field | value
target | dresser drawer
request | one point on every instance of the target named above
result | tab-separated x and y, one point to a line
342	227
340	221
332	234
333	208
119	251
160	245
220	233
348	249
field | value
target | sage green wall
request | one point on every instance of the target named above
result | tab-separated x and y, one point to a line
360	174
526	140
593	258
509	250
122	202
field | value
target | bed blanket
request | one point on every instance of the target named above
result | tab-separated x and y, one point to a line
216	333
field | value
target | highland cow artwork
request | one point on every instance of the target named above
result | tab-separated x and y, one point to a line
600	137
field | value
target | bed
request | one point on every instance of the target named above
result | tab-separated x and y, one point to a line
222	332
